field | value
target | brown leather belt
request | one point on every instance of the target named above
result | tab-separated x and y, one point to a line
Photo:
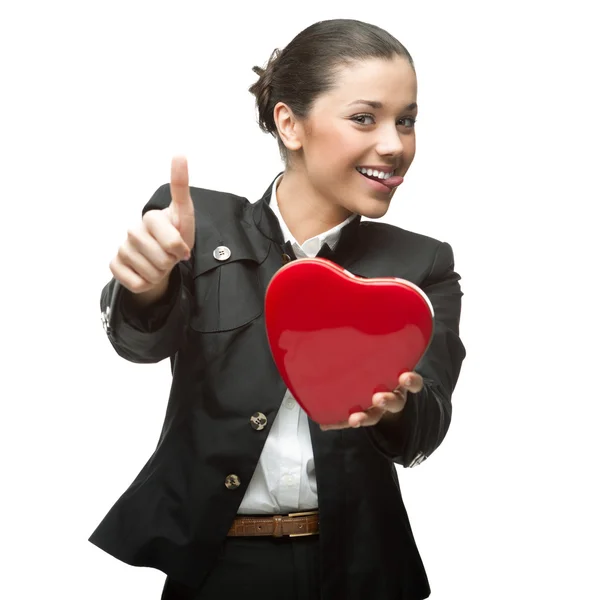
292	525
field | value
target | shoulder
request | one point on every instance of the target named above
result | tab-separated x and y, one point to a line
397	243
384	234
210	203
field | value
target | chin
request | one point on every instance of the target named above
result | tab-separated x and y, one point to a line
373	209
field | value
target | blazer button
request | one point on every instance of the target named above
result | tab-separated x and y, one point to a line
258	421
222	253
285	258
232	482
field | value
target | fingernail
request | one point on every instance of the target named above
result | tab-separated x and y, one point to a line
382	402
407	382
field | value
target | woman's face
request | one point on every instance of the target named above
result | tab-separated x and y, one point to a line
367	120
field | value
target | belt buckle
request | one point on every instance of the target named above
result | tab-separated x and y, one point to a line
303	514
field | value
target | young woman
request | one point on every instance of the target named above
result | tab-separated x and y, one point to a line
237	455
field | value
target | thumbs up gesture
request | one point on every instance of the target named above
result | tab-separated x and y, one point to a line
162	239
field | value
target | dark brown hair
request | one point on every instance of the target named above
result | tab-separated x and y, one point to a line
306	67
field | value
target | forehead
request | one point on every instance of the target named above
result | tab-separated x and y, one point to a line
389	81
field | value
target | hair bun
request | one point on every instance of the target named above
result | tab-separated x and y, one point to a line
262	91
267	73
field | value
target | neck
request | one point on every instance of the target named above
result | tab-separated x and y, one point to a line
305	211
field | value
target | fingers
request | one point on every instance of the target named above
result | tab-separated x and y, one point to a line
128	277
140	270
391	401
383	402
365	419
149	253
153	269
166	235
395	401
411	382
358	419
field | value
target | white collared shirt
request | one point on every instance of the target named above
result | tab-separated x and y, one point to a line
284	480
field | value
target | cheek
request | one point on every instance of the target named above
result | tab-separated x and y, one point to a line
336	148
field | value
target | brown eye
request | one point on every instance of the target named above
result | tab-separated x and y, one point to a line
413	121
361	119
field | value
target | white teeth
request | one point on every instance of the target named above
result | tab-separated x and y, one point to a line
374	173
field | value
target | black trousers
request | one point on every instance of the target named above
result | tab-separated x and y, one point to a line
264	568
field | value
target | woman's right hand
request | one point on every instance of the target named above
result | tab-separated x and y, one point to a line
162	239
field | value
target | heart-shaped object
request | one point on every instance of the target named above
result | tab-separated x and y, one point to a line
337	338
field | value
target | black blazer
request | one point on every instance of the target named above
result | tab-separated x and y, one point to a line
176	513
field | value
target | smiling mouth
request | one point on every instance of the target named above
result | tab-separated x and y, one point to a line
375	174
383	181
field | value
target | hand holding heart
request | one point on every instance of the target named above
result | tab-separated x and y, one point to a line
385	404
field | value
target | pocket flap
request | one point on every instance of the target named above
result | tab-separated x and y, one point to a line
221	248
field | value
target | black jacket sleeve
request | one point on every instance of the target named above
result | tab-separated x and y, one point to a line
411	436
155	332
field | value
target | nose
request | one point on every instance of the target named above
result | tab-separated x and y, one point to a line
390	142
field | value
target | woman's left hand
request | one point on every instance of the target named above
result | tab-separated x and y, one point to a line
385	404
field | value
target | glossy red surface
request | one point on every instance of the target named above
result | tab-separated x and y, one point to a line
337	339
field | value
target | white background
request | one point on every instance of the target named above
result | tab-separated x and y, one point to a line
96	98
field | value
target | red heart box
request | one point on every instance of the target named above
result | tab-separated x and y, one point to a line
337	338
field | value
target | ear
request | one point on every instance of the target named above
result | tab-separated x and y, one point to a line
289	128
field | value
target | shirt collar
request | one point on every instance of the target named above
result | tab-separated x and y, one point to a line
311	247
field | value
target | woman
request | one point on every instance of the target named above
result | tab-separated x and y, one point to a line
237	455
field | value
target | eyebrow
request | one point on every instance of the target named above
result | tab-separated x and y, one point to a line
376	104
